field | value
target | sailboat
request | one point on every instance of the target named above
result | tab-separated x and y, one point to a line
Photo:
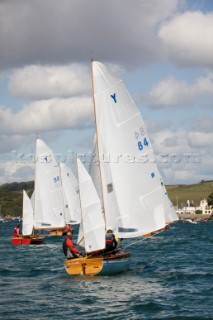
28	236
49	211
71	199
130	188
92	235
71	195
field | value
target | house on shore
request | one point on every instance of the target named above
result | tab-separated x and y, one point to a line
191	208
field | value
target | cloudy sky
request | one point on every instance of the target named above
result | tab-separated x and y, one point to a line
162	49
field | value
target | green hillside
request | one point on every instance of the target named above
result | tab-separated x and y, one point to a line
11	195
179	194
17	186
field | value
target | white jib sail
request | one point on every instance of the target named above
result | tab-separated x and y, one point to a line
71	195
27	215
94	169
110	202
49	201
131	175
92	227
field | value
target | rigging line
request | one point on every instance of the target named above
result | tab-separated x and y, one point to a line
133	243
140	240
80	241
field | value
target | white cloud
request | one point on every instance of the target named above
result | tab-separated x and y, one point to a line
171	92
201	140
172	142
47	115
47	32
13	171
11	142
182	141
188	38
43	82
204	124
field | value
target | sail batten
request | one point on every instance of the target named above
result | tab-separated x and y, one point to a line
119	124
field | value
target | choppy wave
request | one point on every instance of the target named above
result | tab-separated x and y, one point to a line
171	277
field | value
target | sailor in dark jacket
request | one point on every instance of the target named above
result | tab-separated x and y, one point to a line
111	241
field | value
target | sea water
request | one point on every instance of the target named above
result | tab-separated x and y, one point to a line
171	277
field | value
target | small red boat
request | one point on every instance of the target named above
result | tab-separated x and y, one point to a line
27	240
28	236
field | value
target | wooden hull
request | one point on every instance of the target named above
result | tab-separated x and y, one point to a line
100	265
27	241
58	232
37	240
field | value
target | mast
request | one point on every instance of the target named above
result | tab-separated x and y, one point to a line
97	140
35	184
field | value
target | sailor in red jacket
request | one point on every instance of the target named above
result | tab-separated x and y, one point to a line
68	246
16	231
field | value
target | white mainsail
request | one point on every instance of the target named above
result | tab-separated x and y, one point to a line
133	197
27	216
92	227
71	195
49	202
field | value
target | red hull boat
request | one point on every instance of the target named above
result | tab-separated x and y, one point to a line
25	241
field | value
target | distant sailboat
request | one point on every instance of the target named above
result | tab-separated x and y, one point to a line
130	188
71	195
28	236
49	211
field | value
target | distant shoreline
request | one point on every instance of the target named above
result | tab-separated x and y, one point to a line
193	216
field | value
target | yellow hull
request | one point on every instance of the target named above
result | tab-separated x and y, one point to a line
84	266
100	265
56	232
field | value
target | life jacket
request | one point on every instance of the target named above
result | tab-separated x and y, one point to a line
15	232
110	241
